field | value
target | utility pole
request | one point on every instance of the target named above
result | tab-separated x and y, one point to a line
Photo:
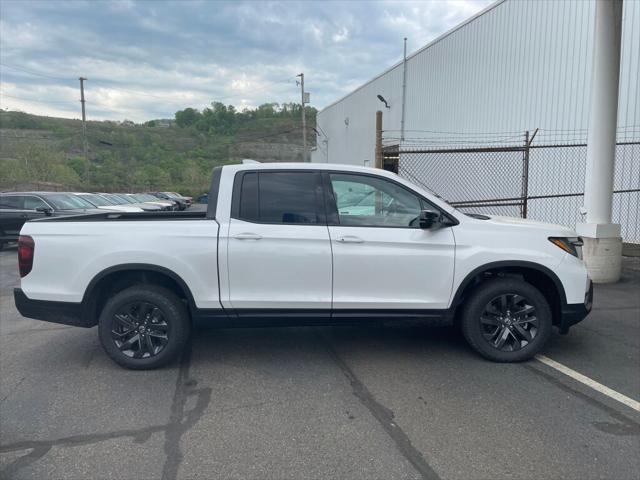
404	89
304	120
84	120
378	150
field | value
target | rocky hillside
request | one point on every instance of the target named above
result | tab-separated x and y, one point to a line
165	154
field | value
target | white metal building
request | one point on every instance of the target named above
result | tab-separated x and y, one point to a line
518	65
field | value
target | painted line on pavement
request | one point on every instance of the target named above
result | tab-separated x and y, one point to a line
629	402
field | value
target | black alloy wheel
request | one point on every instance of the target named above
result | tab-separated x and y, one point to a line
509	322
144	327
506	319
140	330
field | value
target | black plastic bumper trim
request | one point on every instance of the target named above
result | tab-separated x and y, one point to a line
66	313
573	313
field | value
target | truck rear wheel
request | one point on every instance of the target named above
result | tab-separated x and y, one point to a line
144	327
506	320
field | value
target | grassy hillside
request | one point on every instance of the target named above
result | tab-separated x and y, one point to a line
160	154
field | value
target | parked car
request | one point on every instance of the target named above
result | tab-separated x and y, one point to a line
102	203
122	199
167	205
204	198
16	208
304	243
188	200
183	202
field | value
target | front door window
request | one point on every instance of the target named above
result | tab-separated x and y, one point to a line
366	201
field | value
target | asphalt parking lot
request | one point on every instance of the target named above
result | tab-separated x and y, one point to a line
403	402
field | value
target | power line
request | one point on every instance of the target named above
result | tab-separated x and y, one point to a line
137	92
31	72
105	84
37	101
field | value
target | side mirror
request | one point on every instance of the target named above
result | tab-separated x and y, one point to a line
46	210
429	218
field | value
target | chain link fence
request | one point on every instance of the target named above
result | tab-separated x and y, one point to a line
521	177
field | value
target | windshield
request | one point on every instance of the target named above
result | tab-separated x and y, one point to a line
144	197
66	201
96	200
106	198
124	198
112	198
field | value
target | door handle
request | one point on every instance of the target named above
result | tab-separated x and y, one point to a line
350	239
247	236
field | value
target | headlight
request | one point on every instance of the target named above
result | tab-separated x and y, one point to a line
571	245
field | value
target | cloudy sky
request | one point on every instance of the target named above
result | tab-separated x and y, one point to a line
147	59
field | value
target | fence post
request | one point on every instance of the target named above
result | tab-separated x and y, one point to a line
525	176
525	172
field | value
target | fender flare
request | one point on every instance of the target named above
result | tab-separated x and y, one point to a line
457	298
89	291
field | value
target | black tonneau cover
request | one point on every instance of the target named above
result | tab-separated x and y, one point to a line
124	216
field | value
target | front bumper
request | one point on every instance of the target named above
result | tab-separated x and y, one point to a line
66	313
573	313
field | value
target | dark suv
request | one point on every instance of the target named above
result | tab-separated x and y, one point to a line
18	207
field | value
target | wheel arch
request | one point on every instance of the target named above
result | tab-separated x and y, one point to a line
118	277
541	277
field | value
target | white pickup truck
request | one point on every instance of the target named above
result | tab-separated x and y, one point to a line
285	244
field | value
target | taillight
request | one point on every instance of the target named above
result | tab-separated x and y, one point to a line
26	247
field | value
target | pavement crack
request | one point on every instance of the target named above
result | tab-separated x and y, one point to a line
385	418
626	426
36	453
39	448
180	421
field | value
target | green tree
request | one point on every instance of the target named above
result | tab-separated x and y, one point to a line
187	117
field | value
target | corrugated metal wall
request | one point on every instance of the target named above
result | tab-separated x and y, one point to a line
520	65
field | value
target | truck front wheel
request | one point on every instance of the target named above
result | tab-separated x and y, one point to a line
506	320
144	327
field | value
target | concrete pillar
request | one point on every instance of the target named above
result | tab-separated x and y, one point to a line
603	244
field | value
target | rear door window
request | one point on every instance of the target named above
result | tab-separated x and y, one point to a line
31	203
12	202
249	198
280	198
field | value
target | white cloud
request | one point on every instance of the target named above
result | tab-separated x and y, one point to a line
341	35
148	59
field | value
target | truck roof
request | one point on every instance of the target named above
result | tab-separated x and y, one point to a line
307	166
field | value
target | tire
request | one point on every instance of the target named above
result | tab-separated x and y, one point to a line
506	305
155	315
